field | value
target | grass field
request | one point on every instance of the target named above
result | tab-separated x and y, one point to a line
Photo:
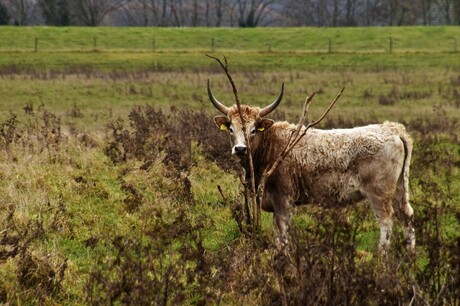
110	162
259	48
190	40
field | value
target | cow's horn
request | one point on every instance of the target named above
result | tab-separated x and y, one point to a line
268	109
220	107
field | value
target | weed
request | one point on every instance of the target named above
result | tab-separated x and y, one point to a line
323	264
9	132
39	276
389	99
166	265
152	131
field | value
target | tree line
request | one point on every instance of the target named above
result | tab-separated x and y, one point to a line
229	13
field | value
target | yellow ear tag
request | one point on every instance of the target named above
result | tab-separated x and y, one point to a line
261	129
223	127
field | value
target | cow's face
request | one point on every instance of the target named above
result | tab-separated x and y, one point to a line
253	118
255	126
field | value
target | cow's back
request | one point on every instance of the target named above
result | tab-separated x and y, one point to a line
331	166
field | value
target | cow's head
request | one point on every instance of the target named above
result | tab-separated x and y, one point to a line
253	119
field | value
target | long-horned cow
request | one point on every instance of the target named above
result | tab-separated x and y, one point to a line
327	167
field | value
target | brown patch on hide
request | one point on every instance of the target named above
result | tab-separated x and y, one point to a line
247	112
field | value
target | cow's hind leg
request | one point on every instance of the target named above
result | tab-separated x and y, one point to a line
383	210
405	214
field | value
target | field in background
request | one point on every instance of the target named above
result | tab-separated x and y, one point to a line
259	48
110	162
315	40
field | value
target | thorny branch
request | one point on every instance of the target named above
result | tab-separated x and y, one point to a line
256	206
294	138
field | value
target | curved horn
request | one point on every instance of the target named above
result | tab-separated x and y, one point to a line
268	109
220	107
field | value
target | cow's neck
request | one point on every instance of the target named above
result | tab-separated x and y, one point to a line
264	156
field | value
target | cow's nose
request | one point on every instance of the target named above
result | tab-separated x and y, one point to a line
239	150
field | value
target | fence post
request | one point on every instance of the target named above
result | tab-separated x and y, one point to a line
391	44
330	46
36	44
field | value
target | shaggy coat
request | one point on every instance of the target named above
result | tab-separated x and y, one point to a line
328	167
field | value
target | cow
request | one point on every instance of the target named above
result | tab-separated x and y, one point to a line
326	167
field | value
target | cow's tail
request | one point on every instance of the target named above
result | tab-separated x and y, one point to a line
407	141
403	181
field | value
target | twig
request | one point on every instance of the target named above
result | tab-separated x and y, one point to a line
221	193
413	297
294	139
328	109
256	205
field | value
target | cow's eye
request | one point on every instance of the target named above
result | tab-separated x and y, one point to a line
253	131
230	129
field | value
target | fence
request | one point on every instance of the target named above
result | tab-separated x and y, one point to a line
328	45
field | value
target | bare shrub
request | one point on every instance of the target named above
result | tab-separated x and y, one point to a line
152	132
39	276
116	149
367	94
455	81
164	267
322	265
389	99
9	132
133	198
395	95
415	95
41	131
75	112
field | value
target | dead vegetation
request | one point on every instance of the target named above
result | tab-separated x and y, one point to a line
163	260
323	265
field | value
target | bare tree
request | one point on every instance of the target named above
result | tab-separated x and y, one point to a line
251	12
335	12
176	10
425	8
93	12
350	8
21	11
4	14
160	11
401	12
445	7
297	13
370	12
456	12
220	6
55	12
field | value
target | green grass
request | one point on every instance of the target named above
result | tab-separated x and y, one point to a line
259	48
370	39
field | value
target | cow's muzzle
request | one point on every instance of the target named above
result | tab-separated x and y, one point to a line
240	150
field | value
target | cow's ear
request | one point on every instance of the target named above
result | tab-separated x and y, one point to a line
222	122
264	124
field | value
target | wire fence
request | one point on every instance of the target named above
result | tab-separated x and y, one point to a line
327	45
